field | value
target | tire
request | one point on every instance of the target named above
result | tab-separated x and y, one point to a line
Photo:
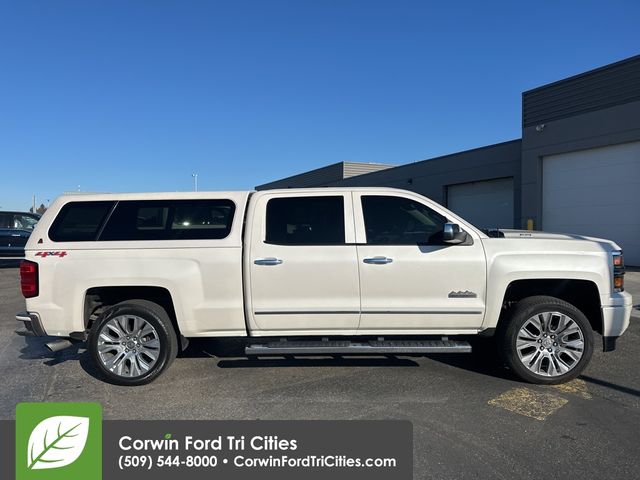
133	342
546	340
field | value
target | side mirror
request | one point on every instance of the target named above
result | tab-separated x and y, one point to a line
452	234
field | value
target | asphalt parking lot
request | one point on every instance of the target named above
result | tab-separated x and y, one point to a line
471	418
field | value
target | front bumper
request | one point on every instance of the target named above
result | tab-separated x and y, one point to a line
616	313
32	324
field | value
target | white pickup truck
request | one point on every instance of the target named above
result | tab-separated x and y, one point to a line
312	271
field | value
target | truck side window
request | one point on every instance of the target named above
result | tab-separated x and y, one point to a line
170	220
5	220
79	221
305	220
400	221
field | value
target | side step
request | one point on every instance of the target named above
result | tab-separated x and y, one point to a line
347	347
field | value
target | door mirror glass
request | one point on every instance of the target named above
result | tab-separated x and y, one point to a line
452	234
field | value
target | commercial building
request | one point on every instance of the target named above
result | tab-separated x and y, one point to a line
575	170
326	175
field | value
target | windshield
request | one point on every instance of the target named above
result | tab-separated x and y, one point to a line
25	222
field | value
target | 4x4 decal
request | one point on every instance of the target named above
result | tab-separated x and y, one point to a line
51	254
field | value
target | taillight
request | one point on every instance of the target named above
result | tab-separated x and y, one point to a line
29	278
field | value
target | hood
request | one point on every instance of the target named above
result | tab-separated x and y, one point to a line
509	233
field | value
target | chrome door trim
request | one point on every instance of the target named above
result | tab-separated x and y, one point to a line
309	312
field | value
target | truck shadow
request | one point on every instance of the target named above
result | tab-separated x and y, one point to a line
333	361
35	349
229	353
612	386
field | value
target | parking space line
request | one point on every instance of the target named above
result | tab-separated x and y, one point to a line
529	403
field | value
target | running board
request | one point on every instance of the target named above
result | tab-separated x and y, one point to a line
342	347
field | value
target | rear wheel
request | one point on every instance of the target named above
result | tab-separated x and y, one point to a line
547	340
133	342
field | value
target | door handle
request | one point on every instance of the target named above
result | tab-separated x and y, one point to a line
267	261
378	260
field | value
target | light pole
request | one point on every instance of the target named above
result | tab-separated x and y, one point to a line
195	181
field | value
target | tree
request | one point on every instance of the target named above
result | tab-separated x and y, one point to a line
40	210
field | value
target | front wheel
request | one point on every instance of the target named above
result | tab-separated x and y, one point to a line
546	340
133	342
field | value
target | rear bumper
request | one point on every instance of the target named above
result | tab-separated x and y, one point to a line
10	260
616	313
11	253
32	324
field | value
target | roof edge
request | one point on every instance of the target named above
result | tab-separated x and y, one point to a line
584	74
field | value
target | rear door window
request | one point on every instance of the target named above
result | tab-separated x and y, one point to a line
306	221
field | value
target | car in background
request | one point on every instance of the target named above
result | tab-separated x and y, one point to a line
15	229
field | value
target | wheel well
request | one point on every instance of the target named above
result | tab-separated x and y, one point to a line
98	299
583	294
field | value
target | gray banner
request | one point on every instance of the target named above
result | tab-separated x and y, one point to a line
245	450
7	449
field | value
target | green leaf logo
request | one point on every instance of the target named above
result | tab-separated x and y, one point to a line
57	442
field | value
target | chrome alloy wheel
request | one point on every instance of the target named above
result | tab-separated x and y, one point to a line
550	344
128	346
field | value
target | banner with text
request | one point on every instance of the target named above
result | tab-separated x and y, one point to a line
49	443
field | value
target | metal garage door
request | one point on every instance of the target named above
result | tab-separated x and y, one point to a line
486	204
595	192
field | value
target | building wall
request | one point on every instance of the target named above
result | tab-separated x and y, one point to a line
614	84
323	176
311	178
593	109
351	169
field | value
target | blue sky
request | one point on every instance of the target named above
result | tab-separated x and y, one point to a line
136	95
